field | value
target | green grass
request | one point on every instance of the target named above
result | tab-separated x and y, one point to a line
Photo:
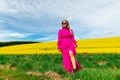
9	74
110	70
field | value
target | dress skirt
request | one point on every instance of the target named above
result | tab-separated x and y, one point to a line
66	60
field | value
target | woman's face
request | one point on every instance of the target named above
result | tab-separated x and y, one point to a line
64	24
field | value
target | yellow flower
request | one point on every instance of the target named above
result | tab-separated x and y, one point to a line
101	45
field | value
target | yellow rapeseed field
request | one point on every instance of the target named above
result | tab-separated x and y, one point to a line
100	45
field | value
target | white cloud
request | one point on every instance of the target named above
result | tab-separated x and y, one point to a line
97	13
70	18
45	39
18	35
11	11
11	34
109	32
4	34
42	16
106	12
48	38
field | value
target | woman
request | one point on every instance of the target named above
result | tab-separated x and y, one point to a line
67	44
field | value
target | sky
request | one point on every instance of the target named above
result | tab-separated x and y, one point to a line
40	20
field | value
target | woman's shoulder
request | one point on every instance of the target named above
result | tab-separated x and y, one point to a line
71	30
60	30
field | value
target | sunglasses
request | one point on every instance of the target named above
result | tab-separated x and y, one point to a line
64	23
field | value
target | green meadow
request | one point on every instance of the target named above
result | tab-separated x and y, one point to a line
49	67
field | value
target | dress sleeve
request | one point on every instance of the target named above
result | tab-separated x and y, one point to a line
59	40
73	39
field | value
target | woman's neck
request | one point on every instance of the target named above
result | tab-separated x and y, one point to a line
64	28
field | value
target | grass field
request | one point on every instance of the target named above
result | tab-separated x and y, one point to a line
42	67
41	61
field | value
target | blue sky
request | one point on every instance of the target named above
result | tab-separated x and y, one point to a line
40	20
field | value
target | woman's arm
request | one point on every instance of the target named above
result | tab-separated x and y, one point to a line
73	39
59	40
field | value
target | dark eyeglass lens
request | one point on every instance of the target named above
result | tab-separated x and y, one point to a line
63	23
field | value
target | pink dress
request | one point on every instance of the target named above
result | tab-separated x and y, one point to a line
66	42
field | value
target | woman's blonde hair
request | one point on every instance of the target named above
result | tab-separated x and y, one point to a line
68	26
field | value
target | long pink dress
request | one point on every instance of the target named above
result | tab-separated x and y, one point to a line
66	42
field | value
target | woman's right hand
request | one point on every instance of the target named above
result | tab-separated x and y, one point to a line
76	46
60	50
